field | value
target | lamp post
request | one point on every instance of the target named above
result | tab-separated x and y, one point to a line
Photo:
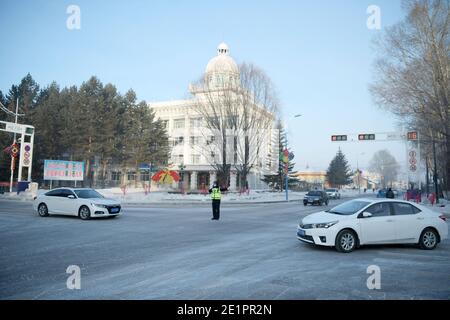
286	178
358	171
182	167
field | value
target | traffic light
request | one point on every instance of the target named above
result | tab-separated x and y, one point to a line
339	138
412	136
363	137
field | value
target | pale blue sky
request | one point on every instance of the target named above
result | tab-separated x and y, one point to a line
318	54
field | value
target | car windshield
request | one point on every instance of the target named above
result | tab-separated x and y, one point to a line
349	207
88	194
314	193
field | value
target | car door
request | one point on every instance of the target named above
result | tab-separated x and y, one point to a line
380	227
408	222
51	200
66	205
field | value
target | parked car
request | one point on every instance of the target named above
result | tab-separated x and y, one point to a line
315	197
374	221
333	193
82	202
382	193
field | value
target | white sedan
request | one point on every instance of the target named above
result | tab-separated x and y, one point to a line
368	221
82	202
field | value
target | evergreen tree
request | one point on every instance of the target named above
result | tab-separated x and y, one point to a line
145	138
91	123
277	181
48	126
338	173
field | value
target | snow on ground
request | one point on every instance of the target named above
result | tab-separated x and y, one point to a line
138	196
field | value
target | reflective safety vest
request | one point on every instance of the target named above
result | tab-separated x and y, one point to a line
215	194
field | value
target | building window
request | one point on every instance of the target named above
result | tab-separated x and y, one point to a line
178	141
131	175
179	158
165	124
196	123
116	175
194	141
178	124
195	159
145	176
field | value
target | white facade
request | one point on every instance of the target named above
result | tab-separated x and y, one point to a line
193	143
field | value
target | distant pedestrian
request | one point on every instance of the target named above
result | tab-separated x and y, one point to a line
432	198
390	194
216	195
418	196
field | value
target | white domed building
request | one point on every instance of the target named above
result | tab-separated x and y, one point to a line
189	137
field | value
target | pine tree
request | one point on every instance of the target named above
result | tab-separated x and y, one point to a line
145	138
338	173
277	181
92	122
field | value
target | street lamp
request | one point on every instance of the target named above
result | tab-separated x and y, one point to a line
182	167
359	172
287	164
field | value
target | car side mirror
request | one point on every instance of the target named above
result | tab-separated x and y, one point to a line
366	214
71	196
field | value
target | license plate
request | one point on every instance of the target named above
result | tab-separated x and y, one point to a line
300	232
114	210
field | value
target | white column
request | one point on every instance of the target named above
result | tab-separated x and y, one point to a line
233	181
194	180
212	177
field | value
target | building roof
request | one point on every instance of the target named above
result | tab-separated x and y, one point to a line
223	62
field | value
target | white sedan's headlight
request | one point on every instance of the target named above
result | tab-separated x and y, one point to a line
323	225
99	205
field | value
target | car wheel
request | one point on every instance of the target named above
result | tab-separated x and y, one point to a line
84	213
43	210
346	241
305	204
428	239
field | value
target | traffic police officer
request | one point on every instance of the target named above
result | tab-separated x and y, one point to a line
216	195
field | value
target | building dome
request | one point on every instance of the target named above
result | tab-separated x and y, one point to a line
223	62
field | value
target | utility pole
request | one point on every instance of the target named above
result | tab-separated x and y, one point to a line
427	177
11	180
435	174
287	164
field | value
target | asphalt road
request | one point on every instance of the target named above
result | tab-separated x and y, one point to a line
179	253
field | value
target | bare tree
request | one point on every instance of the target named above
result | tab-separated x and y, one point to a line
212	104
413	73
238	114
252	118
385	165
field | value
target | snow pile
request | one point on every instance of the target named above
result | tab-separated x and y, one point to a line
23	196
139	196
